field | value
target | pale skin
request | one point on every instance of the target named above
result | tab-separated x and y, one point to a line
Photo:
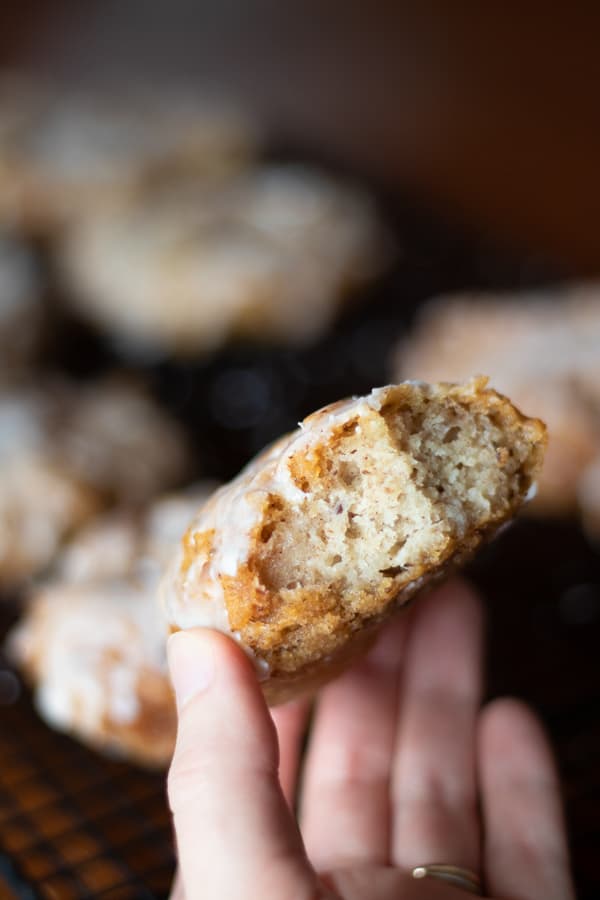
404	767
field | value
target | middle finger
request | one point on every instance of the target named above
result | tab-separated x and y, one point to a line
345	791
290	722
434	794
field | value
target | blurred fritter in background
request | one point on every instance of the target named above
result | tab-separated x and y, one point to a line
215	218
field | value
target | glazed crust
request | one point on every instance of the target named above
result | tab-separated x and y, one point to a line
95	659
91	642
267	255
332	529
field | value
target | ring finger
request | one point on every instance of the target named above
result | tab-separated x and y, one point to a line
434	792
290	722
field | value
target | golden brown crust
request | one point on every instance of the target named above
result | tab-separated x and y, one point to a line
266	617
304	622
194	544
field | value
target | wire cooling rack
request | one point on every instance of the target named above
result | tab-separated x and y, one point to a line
73	824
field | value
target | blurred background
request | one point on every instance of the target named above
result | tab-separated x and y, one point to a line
243	212
488	114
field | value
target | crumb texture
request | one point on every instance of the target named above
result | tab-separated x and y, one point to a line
347	518
540	348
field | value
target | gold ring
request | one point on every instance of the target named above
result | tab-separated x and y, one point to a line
455	875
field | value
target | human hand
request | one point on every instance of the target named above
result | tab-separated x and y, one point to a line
403	769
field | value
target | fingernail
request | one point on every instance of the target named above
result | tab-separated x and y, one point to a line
191	665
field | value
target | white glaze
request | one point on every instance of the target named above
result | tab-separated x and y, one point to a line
531	493
194	597
89	637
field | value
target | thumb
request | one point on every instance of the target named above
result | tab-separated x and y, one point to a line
235	835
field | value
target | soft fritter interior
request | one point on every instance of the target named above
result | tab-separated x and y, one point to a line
390	493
